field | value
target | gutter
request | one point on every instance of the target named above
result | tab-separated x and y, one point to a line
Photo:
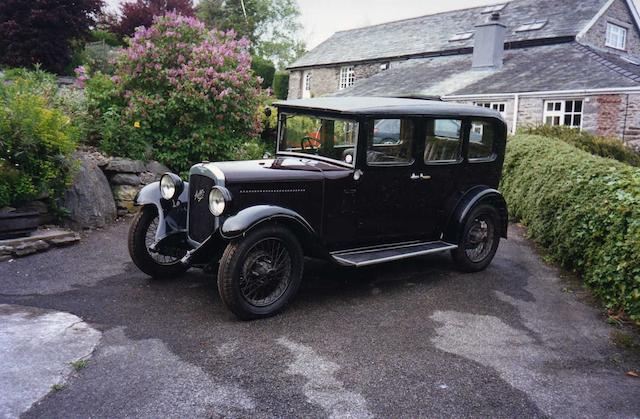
548	93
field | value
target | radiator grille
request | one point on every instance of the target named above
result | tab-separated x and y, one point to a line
201	221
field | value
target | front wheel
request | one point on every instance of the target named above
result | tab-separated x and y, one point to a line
261	272
480	240
142	235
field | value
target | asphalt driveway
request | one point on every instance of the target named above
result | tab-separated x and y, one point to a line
410	339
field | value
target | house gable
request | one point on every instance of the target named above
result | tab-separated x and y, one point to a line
620	13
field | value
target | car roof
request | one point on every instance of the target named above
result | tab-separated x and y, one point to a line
387	106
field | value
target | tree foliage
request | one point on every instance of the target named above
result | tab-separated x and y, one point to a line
136	13
44	31
271	25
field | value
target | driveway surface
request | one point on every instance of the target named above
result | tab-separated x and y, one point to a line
409	339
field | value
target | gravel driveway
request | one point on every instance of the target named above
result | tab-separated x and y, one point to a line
410	339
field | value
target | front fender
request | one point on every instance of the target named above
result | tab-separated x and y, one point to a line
172	214
237	225
469	200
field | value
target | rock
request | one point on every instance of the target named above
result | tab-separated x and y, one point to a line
5	258
157	168
125	193
65	241
125	179
122	212
148	177
35	206
24	250
40	245
90	200
6	250
120	165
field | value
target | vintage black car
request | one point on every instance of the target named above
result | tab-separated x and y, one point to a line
343	194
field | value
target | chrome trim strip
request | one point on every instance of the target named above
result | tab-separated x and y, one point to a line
377	247
314	157
392	258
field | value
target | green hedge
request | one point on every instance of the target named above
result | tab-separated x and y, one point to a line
611	148
281	85
584	210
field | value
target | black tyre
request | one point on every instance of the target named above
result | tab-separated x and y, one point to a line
480	239
141	237
260	272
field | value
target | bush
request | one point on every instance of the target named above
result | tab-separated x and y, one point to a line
611	148
180	94
281	85
584	210
36	140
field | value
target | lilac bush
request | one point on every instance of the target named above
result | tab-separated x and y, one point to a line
183	94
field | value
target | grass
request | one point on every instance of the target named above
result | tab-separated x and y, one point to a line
57	387
623	340
79	364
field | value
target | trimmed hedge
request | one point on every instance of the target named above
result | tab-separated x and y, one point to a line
584	210
611	148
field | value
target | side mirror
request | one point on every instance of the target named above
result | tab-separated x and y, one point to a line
267	111
266	155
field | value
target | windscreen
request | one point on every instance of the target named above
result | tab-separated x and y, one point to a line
331	138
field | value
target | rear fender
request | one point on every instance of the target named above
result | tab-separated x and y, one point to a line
471	199
172	213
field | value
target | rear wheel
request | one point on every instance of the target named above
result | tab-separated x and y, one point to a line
480	240
261	272
142	235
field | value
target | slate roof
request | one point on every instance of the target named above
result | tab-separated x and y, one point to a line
567	66
431	33
386	105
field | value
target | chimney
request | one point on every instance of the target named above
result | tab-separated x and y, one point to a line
488	47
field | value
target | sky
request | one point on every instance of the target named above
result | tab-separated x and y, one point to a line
321	18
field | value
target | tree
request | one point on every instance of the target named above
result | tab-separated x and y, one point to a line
271	25
136	13
44	32
265	70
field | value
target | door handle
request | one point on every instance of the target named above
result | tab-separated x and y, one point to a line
415	177
425	177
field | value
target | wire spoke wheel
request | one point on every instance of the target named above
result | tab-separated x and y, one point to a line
266	272
169	256
478	243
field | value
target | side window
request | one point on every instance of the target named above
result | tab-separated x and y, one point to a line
481	140
391	142
443	142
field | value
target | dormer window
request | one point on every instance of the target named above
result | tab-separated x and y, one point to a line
494	8
461	36
532	26
616	37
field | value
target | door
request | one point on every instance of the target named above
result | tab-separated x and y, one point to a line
391	202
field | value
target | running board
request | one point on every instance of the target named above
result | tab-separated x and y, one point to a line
373	256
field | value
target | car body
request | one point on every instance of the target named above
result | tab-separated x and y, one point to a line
385	179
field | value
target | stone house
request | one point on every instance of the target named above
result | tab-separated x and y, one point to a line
574	63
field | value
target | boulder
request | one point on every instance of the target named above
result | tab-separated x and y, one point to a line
121	165
89	200
125	193
157	168
126	179
148	177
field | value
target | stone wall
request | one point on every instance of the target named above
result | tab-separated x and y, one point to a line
618	14
632	125
127	177
326	80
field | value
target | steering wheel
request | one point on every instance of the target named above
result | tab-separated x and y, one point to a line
309	140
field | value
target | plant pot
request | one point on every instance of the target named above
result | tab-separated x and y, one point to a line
18	224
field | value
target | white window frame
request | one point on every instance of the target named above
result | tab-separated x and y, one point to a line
347	77
532	26
306	85
500	107
616	36
559	112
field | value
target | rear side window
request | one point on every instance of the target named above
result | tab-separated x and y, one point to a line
391	142
481	140
443	142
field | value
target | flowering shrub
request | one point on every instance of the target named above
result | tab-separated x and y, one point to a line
183	94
